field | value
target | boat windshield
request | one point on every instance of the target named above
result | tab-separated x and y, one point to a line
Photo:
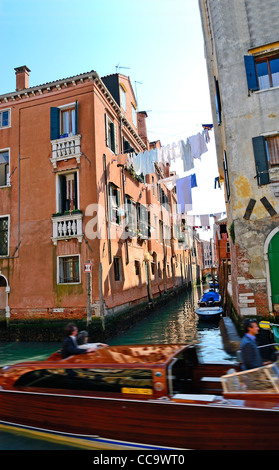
261	380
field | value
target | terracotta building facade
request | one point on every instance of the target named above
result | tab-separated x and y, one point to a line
81	233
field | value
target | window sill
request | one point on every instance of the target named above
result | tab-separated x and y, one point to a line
68	283
267	89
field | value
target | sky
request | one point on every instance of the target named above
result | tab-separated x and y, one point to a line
157	43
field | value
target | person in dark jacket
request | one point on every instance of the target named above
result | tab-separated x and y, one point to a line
70	346
250	354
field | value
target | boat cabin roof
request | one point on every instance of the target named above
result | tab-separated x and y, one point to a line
147	355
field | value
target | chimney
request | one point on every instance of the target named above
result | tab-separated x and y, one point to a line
142	115
22	77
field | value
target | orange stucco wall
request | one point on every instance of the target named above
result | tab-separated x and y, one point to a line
30	202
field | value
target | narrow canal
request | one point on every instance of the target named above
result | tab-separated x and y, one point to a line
175	322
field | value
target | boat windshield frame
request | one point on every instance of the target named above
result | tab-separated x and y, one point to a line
263	379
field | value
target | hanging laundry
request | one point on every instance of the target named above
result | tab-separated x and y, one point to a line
186	155
206	135
137	163
198	145
184	194
193	181
169	182
204	220
217	182
190	220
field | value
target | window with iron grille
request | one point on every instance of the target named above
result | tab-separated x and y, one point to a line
69	269
4	236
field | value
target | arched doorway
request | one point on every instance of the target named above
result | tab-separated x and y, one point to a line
4	293
271	252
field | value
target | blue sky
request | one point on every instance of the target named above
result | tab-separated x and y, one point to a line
157	43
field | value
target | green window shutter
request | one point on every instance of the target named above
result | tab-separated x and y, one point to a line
251	74
106	130
218	101
76	117
76	192
54	123
261	161
115	138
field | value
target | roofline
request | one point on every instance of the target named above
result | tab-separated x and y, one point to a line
92	75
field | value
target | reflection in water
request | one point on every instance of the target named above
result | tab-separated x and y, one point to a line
175	322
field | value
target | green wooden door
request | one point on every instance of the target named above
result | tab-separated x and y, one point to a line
273	257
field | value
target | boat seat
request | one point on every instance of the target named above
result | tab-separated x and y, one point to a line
211	379
211	384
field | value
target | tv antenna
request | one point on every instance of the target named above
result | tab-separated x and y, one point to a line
118	66
136	90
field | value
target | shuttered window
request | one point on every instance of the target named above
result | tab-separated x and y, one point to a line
63	121
114	194
111	134
262	73
218	101
261	160
266	153
273	150
226	175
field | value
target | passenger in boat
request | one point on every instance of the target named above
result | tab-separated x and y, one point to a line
70	346
82	341
250	354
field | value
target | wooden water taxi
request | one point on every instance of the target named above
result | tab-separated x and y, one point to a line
142	396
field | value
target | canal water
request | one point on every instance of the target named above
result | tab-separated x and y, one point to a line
175	322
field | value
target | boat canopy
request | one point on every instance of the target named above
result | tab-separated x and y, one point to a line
210	296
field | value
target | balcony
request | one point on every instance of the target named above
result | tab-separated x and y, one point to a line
65	148
65	227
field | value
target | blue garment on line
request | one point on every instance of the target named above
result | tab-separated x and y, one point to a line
184	193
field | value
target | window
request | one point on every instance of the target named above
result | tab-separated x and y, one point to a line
143	221
68	269
130	215
262	73
117	268
111	135
64	121
4	168
218	102
226	175
266	154
114	194
4	118
137	268
101	380
4	236
67	192
68	122
123	97
267	72
272	146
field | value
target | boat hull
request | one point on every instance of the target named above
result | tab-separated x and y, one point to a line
134	423
209	313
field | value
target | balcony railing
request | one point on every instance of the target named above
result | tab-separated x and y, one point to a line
67	226
65	148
